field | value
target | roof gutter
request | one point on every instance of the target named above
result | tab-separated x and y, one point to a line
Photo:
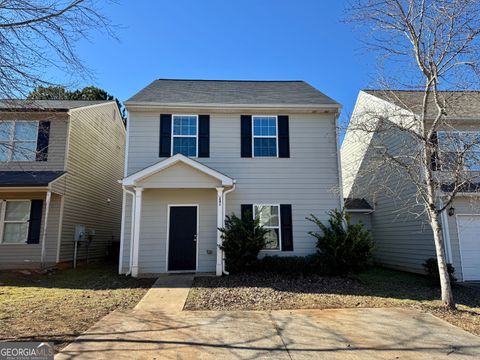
134	105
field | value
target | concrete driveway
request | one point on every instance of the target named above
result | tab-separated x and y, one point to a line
158	329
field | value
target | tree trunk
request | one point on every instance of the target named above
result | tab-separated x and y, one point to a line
446	288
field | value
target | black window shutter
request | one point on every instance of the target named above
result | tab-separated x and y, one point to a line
42	141
165	135
434	163
283	137
247	209
246	135
287	228
203	135
35	222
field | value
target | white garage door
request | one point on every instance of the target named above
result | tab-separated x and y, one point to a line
469	236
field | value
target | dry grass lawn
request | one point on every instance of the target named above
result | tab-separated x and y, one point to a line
59	306
375	288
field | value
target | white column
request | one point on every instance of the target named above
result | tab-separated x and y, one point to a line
136	234
44	235
122	231
219	233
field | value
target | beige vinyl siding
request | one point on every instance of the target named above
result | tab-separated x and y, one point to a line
56	144
180	176
29	255
94	166
308	179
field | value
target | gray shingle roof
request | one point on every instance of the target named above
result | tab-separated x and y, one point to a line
357	204
46	105
28	178
231	92
459	103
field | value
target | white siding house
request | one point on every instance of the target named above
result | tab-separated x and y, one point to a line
200	150
400	228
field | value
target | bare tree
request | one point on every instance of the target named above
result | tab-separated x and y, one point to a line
435	46
36	35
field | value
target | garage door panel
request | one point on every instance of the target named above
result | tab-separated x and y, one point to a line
469	238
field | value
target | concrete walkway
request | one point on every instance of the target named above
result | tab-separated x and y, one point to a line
158	329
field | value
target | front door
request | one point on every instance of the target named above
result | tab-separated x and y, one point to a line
182	243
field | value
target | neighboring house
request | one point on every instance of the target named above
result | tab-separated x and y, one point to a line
199	150
400	228
60	162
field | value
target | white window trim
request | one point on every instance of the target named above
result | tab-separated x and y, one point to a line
264	136
12	140
3	211
185	136
459	132
273	227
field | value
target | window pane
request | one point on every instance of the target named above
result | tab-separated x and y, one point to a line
17	211
185	145
24	151
268	215
272	240
26	131
4	151
264	126
184	125
5	130
15	233
265	147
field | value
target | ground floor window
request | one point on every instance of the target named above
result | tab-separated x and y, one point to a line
14	220
269	216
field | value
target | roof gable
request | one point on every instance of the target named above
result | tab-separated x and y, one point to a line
141	175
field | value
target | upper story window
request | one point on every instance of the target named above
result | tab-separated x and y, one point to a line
185	134
269	216
459	149
18	140
265	139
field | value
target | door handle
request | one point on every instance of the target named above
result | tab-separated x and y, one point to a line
195	238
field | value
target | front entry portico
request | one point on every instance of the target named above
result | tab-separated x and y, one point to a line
176	207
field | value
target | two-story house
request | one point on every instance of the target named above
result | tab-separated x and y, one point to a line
60	162
399	224
198	150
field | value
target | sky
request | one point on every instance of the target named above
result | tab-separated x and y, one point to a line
229	39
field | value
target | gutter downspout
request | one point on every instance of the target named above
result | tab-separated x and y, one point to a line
339	162
132	229
223	216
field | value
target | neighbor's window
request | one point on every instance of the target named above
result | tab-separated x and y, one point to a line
459	149
264	136
18	140
269	216
184	135
14	224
